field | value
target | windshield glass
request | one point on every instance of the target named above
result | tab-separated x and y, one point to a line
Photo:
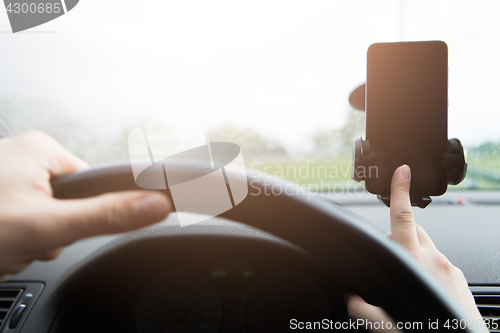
274	77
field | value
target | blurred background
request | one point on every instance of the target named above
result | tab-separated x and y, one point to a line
271	76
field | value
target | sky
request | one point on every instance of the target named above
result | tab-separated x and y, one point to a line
284	68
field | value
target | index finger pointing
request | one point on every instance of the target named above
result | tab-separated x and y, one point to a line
403	226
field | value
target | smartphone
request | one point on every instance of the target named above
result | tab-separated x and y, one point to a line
407	114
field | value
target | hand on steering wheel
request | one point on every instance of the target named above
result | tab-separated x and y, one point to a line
35	226
413	237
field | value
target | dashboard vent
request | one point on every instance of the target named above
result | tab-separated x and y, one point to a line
8	297
488	302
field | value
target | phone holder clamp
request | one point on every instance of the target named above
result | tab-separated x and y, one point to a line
454	161
363	158
416	200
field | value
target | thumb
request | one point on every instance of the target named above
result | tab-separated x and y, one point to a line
403	228
107	214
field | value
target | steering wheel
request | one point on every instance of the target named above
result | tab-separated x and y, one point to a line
378	269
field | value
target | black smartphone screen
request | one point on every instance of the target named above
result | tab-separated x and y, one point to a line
406	114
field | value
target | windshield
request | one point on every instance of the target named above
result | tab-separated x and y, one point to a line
274	77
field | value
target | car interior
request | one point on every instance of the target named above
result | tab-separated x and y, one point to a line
285	82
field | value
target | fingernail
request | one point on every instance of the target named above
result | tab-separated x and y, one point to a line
405	172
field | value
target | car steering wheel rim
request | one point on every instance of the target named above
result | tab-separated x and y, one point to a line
348	246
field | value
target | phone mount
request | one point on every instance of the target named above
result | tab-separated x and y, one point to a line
454	161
